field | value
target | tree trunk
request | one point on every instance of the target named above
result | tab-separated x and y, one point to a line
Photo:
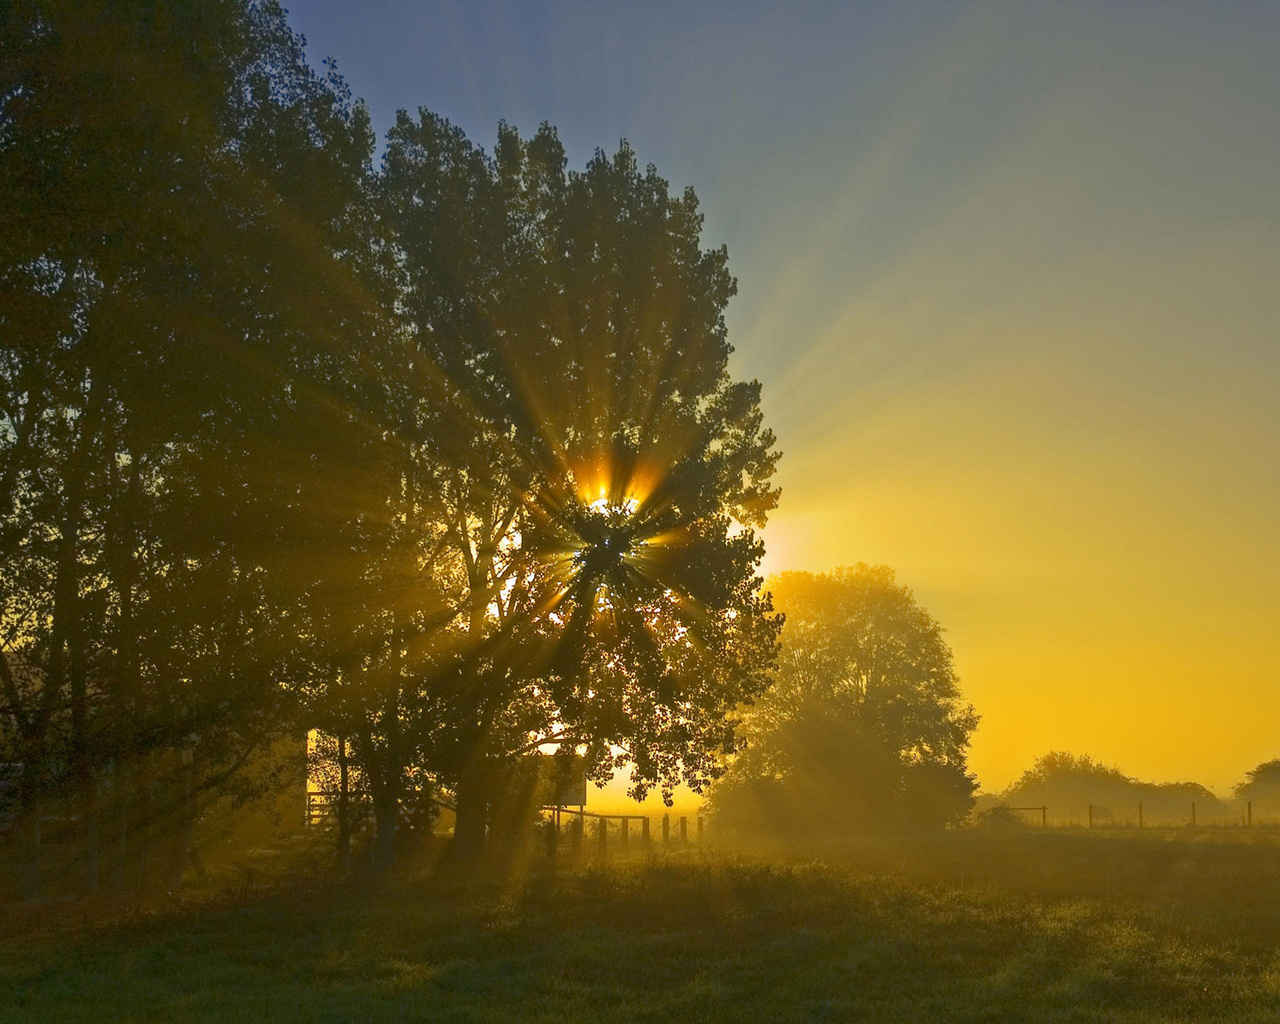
82	768
386	812
470	828
27	830
179	849
89	808
144	826
128	676
384	786
344	808
123	781
68	661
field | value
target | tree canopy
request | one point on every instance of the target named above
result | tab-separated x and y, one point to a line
184	342
864	726
582	473
1261	780
1068	784
443	459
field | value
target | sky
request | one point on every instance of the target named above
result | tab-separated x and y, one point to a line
1009	274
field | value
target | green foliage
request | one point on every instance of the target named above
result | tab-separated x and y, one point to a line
1060	765
580	480
181	290
445	461
864	726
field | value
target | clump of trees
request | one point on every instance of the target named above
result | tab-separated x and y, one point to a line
441	458
1069	784
184	346
1261	788
864	727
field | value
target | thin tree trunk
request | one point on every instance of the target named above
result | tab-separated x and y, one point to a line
344	808
27	829
470	828
386	811
122	782
144	828
68	663
89	808
127	704
180	849
82	768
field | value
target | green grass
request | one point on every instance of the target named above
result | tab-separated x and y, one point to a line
971	927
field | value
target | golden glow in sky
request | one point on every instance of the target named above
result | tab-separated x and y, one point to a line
1008	274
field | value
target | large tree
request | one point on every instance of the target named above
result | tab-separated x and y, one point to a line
451	451
864	726
584	477
185	319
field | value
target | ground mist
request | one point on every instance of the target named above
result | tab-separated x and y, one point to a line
966	926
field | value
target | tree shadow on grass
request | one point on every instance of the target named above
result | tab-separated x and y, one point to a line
725	940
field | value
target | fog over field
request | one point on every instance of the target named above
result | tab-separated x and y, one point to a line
526	511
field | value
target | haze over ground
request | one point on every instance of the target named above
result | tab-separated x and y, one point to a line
1008	274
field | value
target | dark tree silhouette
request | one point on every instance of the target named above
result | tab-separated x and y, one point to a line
1261	779
1261	787
1068	784
446	461
587	474
179	386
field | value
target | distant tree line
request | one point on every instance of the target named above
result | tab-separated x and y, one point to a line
1073	787
440	458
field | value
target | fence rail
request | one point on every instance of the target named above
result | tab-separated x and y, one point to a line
324	802
560	823
1139	816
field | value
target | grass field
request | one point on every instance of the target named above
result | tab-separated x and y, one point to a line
970	927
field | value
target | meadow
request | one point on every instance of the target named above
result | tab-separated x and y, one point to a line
969	926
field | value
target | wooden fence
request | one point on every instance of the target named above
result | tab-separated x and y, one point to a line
571	822
561	825
1099	816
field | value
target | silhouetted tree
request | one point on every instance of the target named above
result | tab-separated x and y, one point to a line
1261	786
864	726
1264	777
184	372
586	474
444	461
1067	784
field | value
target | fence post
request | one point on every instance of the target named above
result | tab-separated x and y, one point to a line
575	837
1139	814
1193	814
624	833
666	829
602	837
1044	816
1091	815
1250	812
644	830
553	835
699	828
684	830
